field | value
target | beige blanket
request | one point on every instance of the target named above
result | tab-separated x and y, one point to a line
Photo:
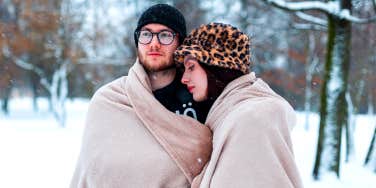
251	139
131	140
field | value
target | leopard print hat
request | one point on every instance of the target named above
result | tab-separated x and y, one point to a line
217	44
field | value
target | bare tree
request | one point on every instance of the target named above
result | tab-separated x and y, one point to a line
51	50
333	105
311	65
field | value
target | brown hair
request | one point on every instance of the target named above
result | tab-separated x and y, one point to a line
218	78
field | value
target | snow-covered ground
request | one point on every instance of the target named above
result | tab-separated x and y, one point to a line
36	152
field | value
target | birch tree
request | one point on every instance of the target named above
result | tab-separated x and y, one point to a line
333	104
49	29
311	65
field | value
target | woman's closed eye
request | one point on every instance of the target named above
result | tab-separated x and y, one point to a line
189	63
191	67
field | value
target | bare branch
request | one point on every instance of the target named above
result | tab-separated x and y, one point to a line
302	6
299	26
312	19
330	7
25	65
345	14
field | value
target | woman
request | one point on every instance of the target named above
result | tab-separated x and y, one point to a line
251	124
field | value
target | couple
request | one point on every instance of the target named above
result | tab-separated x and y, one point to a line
189	114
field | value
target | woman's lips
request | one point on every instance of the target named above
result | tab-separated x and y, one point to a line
190	88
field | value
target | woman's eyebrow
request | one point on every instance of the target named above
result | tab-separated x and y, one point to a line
188	62
189	58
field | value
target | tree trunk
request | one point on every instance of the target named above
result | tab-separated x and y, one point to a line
311	63
59	94
333	104
370	109
34	87
350	127
4	105
371	154
354	105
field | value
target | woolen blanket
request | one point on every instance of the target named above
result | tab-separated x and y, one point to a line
131	140
252	147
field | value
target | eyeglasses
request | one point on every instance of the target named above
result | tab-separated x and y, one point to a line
165	37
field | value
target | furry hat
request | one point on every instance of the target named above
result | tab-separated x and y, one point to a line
217	44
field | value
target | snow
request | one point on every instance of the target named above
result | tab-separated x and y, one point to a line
312	19
353	174
36	152
345	13
329	7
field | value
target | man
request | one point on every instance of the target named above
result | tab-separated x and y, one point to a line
134	135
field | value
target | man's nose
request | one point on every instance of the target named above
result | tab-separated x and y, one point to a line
155	42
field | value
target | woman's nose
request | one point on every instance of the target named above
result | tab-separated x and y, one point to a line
184	78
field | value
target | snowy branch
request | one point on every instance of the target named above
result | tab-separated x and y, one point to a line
330	7
304	6
25	65
311	18
299	26
345	14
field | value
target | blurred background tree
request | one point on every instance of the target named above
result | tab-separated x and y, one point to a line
69	48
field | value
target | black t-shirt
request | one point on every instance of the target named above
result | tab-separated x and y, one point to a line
176	98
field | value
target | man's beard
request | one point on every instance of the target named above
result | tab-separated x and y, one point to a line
155	68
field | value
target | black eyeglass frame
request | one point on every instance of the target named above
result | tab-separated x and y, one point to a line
155	33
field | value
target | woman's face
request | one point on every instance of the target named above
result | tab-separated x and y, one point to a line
195	78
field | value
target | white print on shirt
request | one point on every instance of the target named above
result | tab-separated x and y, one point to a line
188	109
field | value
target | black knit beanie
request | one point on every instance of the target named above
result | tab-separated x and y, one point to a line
166	15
